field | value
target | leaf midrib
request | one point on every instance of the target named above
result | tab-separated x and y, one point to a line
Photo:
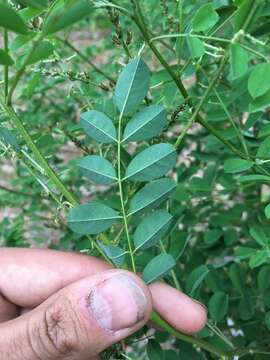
144	124
149	165
153	234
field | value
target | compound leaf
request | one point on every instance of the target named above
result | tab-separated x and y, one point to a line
151	229
98	169
98	126
152	163
91	218
195	279
158	267
132	86
146	124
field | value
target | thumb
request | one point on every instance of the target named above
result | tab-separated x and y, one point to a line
80	320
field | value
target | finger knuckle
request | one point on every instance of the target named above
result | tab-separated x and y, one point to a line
60	330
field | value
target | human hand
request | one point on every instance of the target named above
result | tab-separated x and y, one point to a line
61	305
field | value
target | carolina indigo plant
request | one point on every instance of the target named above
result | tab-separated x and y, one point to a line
134	123
180	195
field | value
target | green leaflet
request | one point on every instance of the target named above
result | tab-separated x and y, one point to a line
154	350
258	258
114	253
98	126
259	235
5	58
267	211
196	47
98	169
237	277
42	52
218	305
255	177
151	195
205	18
158	267
65	14
146	124
91	218
195	279
152	163
237	165
259	80
9	138
239	60
9	19
264	148
151	229
37	4
132	86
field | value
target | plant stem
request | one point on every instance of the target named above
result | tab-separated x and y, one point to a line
21	71
203	99
121	192
18	125
6	77
86	59
139	20
190	339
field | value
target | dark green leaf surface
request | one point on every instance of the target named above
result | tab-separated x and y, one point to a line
11	20
114	253
196	47
98	169
132	86
205	18
259	80
152	163
218	306
66	14
158	267
98	126
195	279
239	61
235	165
37	4
91	218
146	124
151	229
5	58
151	195
259	258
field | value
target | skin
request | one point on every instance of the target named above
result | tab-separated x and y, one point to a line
34	282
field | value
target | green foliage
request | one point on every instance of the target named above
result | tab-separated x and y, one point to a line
10	20
158	267
139	132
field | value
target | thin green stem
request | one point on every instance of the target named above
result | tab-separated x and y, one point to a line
190	339
18	125
6	75
120	186
236	129
203	100
21	71
86	59
183	35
